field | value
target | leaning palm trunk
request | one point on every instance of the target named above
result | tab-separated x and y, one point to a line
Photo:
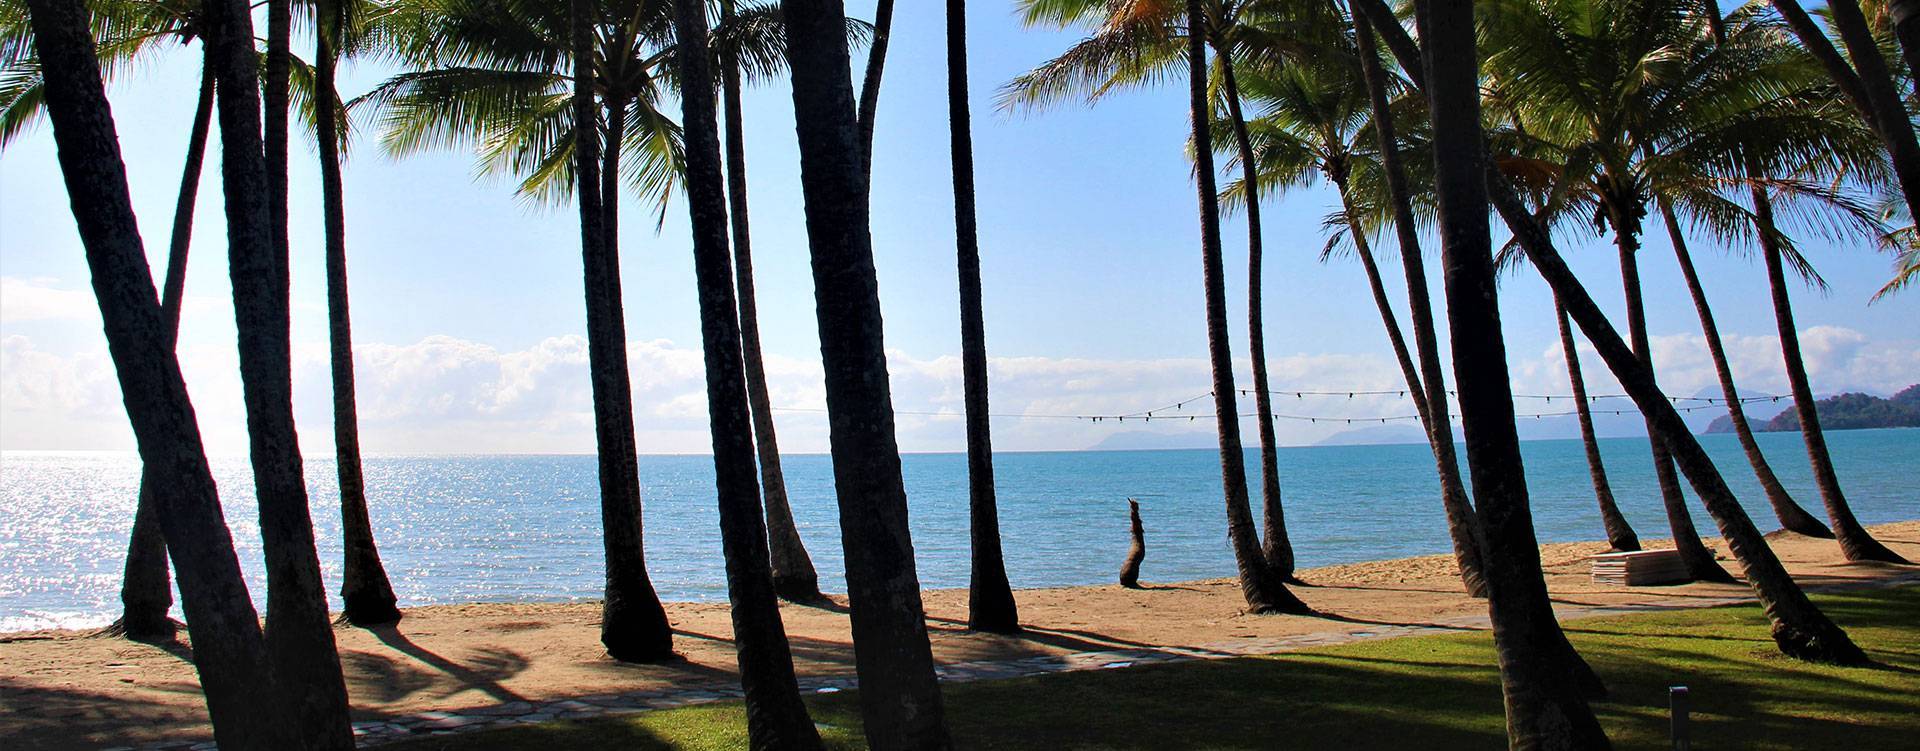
1791	516
1855	542
1461	527
1862	77
899	698
1264	591
633	625
990	603
1800	630
229	652
1276	547
776	719
1620	536
364	588
1694	554
1905	18
1543	696
869	106
305	663
145	591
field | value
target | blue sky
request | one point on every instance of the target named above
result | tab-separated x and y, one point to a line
468	314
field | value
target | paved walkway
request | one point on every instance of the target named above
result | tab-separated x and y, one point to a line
378	732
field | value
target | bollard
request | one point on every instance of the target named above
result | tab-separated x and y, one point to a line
1677	697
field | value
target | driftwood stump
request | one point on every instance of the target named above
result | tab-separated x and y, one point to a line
1130	571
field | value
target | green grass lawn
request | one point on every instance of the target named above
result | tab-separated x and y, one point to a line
1427	693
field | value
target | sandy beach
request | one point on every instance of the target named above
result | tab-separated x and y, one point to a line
64	689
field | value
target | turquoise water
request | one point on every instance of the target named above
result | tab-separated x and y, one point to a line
521	528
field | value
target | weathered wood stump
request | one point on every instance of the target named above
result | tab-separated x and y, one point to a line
1130	571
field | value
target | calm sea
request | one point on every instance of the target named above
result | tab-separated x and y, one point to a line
525	528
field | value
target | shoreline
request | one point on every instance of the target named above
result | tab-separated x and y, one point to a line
68	688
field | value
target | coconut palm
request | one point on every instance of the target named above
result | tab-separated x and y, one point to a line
900	698
229	651
1139	42
1903	242
776	719
1620	535
990	603
1864	79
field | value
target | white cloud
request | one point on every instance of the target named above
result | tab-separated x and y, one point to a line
38	300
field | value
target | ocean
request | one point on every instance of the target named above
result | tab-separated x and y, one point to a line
455	529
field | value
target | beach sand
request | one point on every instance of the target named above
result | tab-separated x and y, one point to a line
65	689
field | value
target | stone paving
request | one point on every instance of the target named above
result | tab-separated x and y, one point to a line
377	732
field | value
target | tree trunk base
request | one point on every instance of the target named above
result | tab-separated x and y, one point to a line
1282	602
145	630
1796	520
1870	550
1824	644
994	625
370	609
801	590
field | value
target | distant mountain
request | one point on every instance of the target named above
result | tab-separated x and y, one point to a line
1851	411
1147	440
1377	434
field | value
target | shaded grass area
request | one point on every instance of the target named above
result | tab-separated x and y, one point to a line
1429	692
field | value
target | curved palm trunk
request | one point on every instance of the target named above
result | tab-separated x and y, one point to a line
1543	697
1620	536
1800	630
229	652
1264	592
633	625
1905	15
1461	526
899	698
1791	516
1686	539
146	591
1276	547
300	648
364	588
794	577
776	719
1855	542
990	603
1862	76
870	83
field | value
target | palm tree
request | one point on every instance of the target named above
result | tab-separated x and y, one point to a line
1903	242
229	651
1545	708
990	603
776	719
794	577
1620	536
869	107
364	588
1140	42
299	635
899	697
1865	81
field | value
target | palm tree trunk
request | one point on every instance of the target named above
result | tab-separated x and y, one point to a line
305	663
1855	542
1620	536
1276	547
1800	630
1905	15
1377	286
1264	592
633	625
146	591
364	588
794	577
899	698
776	719
1461	527
870	83
1791	516
1686	539
229	652
990	603
1544	703
1862	76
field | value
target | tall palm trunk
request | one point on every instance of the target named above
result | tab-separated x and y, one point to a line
869	107
1375	284
776	719
146	592
793	574
1791	516
305	663
1276	546
1855	542
1544	706
1620	536
1862	76
633	625
990	603
1264	591
1686	539
1800	630
229	652
364	588
1461	526
899	698
1905	17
